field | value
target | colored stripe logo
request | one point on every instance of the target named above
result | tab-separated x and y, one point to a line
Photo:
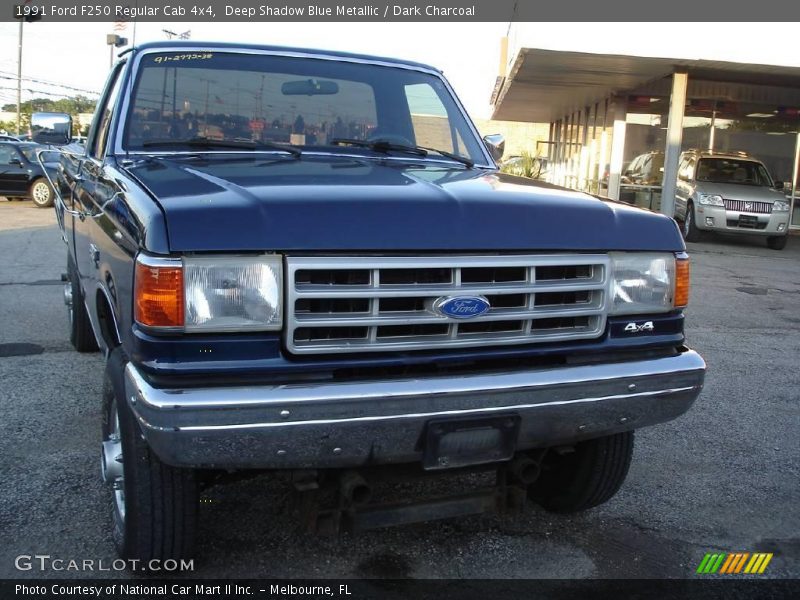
734	563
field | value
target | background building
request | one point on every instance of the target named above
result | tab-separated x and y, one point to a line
604	110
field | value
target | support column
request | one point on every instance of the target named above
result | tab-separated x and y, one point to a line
562	176
556	157
672	151
619	112
795	174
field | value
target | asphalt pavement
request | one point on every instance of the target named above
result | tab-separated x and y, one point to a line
724	477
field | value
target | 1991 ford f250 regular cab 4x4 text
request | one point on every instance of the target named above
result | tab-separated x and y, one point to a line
307	263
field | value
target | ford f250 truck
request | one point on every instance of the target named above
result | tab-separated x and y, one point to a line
307	263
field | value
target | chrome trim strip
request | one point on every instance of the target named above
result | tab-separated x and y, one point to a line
427	318
441	413
278	395
150	260
443	289
447	261
133	69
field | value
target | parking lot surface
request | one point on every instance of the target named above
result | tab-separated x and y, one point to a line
724	477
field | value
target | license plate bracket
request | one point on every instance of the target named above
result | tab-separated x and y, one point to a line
457	443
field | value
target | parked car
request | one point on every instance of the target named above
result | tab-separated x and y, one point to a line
730	193
335	302
8	138
645	169
21	174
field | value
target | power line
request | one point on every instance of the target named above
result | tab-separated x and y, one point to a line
35	91
8	75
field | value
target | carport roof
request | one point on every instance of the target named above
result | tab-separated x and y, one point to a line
544	85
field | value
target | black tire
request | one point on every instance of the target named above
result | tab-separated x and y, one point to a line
777	242
585	478
689	228
41	193
160	502
81	335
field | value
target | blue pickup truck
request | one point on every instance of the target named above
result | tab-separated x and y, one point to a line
308	263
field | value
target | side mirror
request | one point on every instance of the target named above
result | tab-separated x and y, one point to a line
780	185
15	161
496	144
51	128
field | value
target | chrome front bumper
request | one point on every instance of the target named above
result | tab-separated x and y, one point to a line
350	424
776	223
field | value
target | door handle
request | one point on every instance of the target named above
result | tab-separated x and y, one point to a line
94	255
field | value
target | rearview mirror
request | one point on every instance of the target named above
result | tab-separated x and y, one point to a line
496	144
51	128
310	87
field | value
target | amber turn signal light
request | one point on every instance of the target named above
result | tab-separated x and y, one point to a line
158	295
681	282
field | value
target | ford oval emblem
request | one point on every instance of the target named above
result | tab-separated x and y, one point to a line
461	307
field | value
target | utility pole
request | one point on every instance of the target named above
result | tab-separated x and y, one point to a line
181	36
29	14
19	78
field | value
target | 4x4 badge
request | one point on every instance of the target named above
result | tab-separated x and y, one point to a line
634	328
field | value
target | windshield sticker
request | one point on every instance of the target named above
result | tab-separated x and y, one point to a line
180	57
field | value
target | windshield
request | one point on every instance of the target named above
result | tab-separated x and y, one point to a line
303	102
731	170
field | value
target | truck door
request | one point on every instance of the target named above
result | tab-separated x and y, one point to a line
91	191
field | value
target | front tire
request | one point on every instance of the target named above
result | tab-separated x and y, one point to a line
585	478
81	335
154	505
41	193
689	228
777	242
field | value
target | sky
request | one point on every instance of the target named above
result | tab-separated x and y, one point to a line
76	54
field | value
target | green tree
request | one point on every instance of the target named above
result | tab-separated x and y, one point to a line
72	106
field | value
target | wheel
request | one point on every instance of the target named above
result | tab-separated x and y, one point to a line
81	335
585	478
777	242
41	193
154	506
689	229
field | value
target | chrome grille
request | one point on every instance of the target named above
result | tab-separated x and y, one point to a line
372	304
764	208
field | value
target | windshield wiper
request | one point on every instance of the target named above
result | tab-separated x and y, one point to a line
386	146
205	142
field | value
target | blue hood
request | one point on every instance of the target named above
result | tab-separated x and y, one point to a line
338	203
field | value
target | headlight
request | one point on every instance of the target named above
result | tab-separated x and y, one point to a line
214	293
235	293
780	206
711	200
643	282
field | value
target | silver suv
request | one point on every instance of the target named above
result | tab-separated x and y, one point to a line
729	192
